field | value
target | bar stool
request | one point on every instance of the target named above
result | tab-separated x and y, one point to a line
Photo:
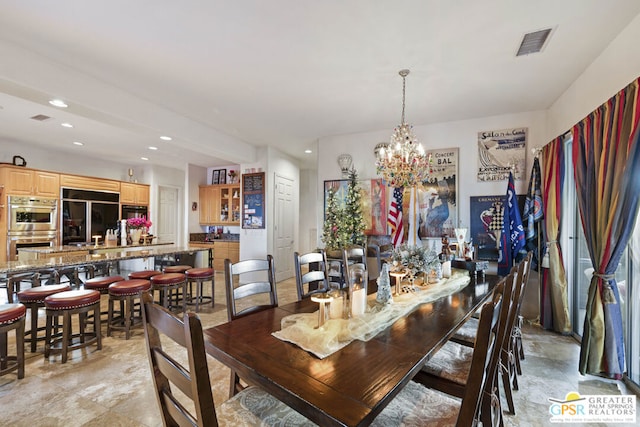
168	283
33	299
200	275
34	278
144	274
126	291
101	284
12	318
177	268
66	304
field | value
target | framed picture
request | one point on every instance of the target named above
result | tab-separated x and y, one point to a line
223	176
373	201
215	177
253	209
486	214
501	150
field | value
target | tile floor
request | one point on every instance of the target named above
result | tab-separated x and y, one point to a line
113	386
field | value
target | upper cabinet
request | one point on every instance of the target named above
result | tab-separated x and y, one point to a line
220	204
29	182
89	183
135	194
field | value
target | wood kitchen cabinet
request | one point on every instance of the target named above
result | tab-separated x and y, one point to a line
21	181
220	204
89	183
224	250
134	194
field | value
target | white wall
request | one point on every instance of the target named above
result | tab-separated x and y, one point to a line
615	68
461	134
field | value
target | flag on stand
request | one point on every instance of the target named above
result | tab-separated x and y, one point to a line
533	213
512	238
394	219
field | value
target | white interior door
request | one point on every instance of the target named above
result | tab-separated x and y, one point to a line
283	228
168	212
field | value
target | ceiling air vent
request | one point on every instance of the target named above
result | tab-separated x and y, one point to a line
533	42
40	117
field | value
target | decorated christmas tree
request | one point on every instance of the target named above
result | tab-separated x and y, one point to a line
334	230
354	220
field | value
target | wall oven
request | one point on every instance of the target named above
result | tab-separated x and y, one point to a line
29	239
31	222
32	214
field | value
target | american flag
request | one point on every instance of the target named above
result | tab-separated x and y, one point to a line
394	220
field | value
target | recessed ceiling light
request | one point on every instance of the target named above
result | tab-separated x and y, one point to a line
66	125
165	138
58	103
77	143
144	158
308	151
151	147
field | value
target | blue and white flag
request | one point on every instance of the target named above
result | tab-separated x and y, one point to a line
512	238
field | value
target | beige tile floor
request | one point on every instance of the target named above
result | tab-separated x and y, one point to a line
113	387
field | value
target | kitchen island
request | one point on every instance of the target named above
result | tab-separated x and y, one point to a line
74	260
26	254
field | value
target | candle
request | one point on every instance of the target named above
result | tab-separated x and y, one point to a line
336	307
446	269
359	303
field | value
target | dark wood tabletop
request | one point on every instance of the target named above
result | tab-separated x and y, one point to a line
353	385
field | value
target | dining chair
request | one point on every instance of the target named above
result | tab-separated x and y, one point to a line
352	256
479	401
251	282
316	273
450	368
173	381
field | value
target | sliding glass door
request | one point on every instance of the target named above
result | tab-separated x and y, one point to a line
580	269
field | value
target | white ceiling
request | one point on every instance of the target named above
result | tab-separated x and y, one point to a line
224	77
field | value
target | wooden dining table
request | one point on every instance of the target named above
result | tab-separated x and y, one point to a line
353	385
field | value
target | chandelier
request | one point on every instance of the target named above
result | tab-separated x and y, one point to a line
403	162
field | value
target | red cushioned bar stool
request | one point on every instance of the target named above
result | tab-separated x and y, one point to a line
66	304
12	319
33	299
176	268
101	284
144	274
199	276
169	286
126	291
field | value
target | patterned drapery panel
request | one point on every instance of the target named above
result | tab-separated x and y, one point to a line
606	161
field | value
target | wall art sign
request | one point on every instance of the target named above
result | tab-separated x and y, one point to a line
253	209
437	198
487	215
499	151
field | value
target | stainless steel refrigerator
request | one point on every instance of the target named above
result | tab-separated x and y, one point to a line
88	213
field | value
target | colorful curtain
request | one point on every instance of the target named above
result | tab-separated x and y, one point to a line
606	159
554	307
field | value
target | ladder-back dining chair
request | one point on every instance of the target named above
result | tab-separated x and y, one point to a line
251	287
311	273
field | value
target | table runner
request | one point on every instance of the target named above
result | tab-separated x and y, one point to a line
301	328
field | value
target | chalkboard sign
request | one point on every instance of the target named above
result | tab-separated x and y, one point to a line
253	209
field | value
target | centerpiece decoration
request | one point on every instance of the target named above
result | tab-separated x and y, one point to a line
413	261
136	226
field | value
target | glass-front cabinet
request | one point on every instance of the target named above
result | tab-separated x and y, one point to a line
220	204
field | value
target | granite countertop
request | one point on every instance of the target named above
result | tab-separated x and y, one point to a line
12	267
90	248
211	238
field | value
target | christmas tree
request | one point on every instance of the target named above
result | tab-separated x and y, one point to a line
354	220
334	231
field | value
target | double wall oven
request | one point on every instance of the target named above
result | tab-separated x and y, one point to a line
32	222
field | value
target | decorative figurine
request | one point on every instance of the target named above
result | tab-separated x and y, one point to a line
384	286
